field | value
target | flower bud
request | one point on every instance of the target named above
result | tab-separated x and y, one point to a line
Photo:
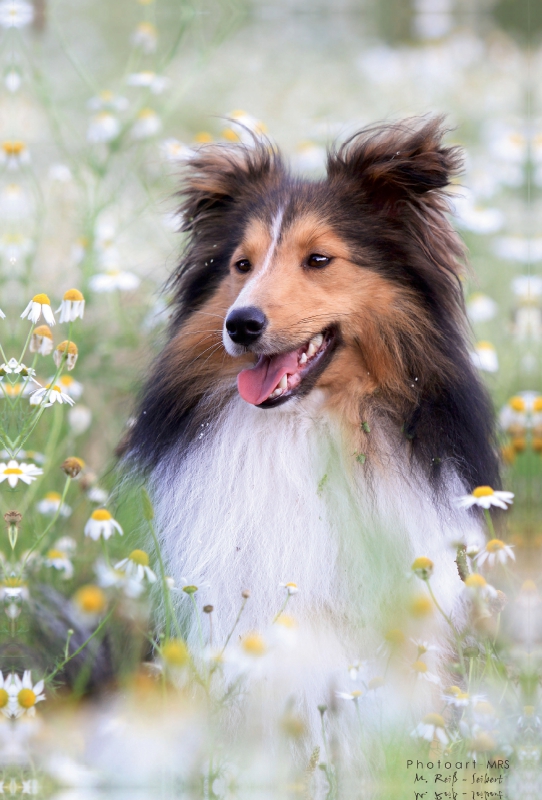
68	352
72	466
423	568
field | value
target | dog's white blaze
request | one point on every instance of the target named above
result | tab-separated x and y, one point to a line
267	497
245	296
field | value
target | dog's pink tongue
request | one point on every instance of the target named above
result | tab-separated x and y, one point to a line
256	384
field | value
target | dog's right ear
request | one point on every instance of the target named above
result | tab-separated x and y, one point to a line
218	176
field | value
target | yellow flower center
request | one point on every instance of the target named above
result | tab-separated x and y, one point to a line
286	621
203	137
56	554
253	644
13	148
145	113
421	606
528	711
147	28
67	381
482	491
455	690
101	514
73	294
356	693
230	135
139	557
52	496
13	471
475	581
26	698
395	636
53	386
484	346
175	653
494	545
4	698
537	404
434	719
106	96
419	666
483	707
528	586
71	347
375	683
90	599
517	403
43	331
13	583
42	299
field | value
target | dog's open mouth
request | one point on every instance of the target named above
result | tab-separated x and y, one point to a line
275	379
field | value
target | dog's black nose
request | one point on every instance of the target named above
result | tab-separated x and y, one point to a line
245	325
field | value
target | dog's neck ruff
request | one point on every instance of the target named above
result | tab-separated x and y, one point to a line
261	498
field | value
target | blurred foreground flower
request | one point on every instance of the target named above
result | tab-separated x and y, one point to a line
40	304
15	14
90	600
14	472
485	497
432	727
495	551
147	124
148	80
145	37
60	561
104	127
101	525
481	308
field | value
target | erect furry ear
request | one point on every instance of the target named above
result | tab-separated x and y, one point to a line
219	175
390	164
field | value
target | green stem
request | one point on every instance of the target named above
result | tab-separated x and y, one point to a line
79	649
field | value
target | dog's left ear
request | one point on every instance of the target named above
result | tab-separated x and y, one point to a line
391	165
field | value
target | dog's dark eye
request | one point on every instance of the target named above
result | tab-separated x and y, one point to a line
243	265
318	261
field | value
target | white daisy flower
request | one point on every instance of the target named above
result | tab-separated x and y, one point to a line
15	14
14	154
495	551
485	497
421	670
13	472
107	100
97	495
2	315
103	127
23	695
481	308
355	695
60	173
149	80
114	279
72	306
66	544
147	124
145	37
112	578
59	560
80	417
291	588
101	525
477	586
4	695
50	504
14	367
527	288
70	386
356	668
41	341
50	394
13	81
137	566
485	357
432	727
173	150
66	352
425	647
40	304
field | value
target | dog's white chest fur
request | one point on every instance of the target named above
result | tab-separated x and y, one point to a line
268	497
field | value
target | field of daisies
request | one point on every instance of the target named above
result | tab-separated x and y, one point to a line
100	105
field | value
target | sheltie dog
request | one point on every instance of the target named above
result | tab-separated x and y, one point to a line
315	412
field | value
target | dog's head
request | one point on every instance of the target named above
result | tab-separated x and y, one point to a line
349	283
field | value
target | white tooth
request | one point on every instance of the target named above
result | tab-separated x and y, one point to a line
317	340
275	393
303	358
283	382
311	350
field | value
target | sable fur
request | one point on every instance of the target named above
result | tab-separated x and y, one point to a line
383	198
